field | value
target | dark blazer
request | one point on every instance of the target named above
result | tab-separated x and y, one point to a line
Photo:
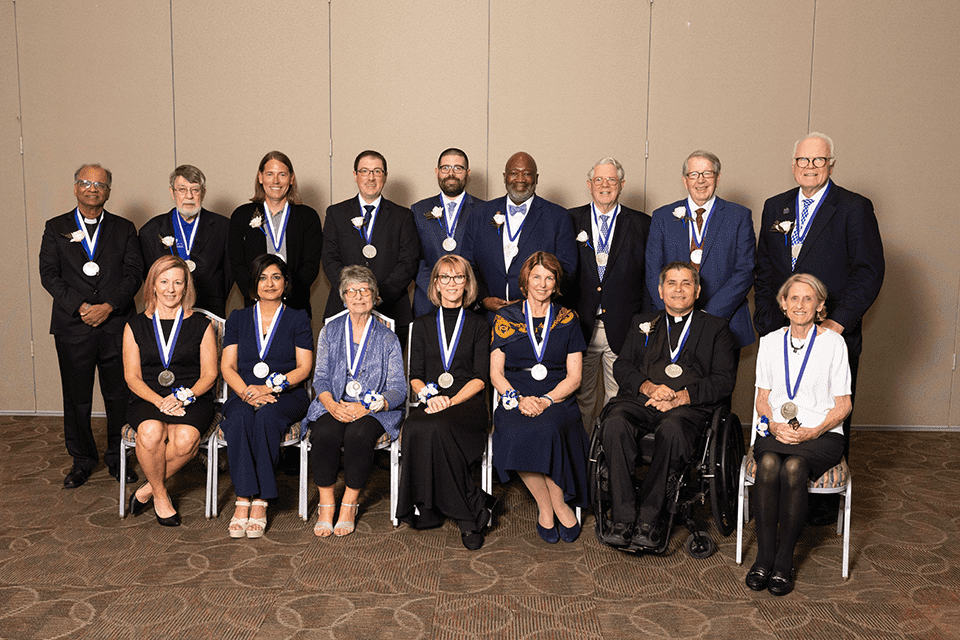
547	228
843	249
61	273
726	270
621	295
211	278
304	244
432	233
707	358
395	265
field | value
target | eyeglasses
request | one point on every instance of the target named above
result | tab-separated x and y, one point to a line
99	186
803	163
453	168
378	172
693	175
445	278
194	191
601	181
362	292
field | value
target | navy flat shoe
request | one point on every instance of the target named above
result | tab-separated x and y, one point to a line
550	536
568	534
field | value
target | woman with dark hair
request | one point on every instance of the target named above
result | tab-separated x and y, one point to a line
803	396
535	364
170	365
446	433
276	222
266	357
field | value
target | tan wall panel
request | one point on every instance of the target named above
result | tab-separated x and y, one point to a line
16	392
96	88
568	85
885	88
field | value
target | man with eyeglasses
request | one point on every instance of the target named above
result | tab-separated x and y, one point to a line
442	221
713	234
510	229
827	231
372	231
611	240
90	263
197	235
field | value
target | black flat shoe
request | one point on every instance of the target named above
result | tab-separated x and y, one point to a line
568	534
472	540
780	583
170	521
757	578
136	507
648	536
550	536
76	478
619	535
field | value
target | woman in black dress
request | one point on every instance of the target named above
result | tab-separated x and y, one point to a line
170	365
446	433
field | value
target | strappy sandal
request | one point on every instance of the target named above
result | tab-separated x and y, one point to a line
241	522
257	522
347	526
323	528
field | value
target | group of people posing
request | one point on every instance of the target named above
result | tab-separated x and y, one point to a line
599	311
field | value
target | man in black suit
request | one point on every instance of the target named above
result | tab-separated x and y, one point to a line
611	239
90	263
831	233
370	230
676	366
195	234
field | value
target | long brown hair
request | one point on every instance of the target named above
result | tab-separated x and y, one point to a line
162	264
293	194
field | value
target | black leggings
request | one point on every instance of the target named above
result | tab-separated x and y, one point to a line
781	502
357	439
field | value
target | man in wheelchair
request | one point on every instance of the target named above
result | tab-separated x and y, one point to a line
675	367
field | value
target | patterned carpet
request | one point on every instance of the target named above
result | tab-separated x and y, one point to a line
69	568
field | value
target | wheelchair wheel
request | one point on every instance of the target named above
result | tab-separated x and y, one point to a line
726	454
598	488
699	545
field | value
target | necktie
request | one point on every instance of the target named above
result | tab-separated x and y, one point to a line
693	242
512	209
605	249
451	208
795	238
369	212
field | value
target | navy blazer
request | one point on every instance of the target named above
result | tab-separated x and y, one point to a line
843	249
61	273
621	295
211	278
394	266
432	233
547	228
726	270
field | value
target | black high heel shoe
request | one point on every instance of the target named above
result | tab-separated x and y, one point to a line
169	521
136	507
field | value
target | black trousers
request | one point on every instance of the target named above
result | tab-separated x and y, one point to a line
357	439
79	357
676	432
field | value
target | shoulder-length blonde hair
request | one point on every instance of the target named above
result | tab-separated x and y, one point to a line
811	281
162	264
457	263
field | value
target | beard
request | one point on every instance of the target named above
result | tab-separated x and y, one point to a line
452	186
189	215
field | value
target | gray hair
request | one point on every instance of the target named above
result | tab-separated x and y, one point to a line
607	160
95	165
356	274
811	281
189	173
821	136
706	155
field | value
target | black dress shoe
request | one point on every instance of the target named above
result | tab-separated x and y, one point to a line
780	583
568	534
170	521
619	535
472	540
76	478
137	507
648	536
550	536
131	475
757	578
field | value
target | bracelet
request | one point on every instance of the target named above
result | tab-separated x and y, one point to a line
547	397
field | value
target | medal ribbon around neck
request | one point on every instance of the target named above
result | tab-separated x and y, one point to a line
277	239
512	237
181	236
166	347
264	341
356	355
603	241
448	349
697	238
89	244
368	234
675	353
451	228
544	335
813	214
792	392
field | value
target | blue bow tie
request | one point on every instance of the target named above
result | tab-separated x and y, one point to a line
512	209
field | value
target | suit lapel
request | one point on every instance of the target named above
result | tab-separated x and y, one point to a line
466	212
828	208
620	232
529	226
715	225
588	255
106	231
203	231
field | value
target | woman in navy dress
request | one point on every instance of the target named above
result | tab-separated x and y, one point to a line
538	429
171	402
267	353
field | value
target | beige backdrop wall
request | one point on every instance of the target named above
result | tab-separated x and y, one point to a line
144	86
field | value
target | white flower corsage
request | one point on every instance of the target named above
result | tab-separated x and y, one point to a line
763	427
429	390
184	395
168	241
357	222
498	220
277	382
510	400
436	212
256	221
372	400
76	236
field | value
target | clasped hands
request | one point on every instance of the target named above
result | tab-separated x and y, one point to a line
257	395
95	314
532	406
347	411
663	398
436	404
170	406
786	434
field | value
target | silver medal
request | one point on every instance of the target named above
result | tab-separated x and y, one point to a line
449	244
511	250
788	410
445	380
354	389
602	259
191	265
795	250
696	256
91	268
261	370
539	372
369	251
673	370
166	378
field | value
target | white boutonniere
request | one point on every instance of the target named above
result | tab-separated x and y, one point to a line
357	222
256	221
582	237
784	226
680	213
76	236
498	220
167	241
646	328
436	212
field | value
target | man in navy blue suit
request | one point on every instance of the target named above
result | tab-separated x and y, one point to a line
512	228
825	230
442	221
716	236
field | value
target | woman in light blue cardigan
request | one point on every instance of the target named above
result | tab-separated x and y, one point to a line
360	389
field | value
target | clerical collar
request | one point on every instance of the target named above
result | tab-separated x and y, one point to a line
92	221
679	319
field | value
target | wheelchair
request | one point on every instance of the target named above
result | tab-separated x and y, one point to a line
712	475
